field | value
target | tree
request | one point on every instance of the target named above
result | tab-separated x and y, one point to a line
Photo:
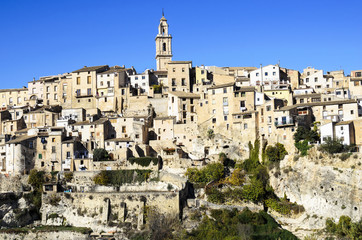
332	146
303	133
36	179
100	154
210	134
276	153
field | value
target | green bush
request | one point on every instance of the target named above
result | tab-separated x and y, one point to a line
100	154
211	172
36	179
302	147
215	196
233	224
344	156
345	228
332	146
276	153
303	133
254	192
143	161
68	176
278	206
120	177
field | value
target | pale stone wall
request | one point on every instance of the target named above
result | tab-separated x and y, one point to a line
97	209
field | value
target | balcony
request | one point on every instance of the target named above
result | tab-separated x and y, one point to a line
284	123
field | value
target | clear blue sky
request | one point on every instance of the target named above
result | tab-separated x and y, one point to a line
43	37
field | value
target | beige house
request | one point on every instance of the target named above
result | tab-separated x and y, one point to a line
179	75
355	84
182	105
164	128
112	88
92	134
20	155
42	117
49	149
84	86
13	97
132	128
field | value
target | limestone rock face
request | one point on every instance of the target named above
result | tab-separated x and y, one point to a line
14	210
327	188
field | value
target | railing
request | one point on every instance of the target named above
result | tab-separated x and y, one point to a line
284	123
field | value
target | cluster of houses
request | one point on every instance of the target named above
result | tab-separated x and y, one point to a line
56	122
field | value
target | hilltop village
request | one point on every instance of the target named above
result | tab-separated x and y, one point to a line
156	124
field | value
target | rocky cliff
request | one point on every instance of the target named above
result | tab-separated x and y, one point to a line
325	185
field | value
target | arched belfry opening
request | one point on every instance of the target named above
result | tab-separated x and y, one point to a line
163	45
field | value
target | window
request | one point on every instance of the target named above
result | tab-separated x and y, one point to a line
183	82
213	111
274	73
105	99
173	69
89	91
213	91
89	80
266	73
358	74
242	104
40	156
225	90
53	139
78	80
173	82
214	120
225	101
123	129
202	71
77	92
307	80
268	108
136	78
143	77
352	112
257	74
164	46
42	164
48	96
55	88
68	154
183	69
316	79
55	96
225	118
245	125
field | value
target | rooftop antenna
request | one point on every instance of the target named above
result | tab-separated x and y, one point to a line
163	13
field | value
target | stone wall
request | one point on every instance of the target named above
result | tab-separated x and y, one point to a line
44	236
106	211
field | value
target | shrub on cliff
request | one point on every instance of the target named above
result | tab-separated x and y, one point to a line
276	153
345	228
212	172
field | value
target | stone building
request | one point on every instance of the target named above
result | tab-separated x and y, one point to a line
163	45
84	86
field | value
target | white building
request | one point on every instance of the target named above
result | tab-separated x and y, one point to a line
143	81
270	76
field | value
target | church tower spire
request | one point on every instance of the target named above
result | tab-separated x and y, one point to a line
163	45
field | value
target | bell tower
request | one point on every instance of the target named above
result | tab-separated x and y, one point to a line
163	45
